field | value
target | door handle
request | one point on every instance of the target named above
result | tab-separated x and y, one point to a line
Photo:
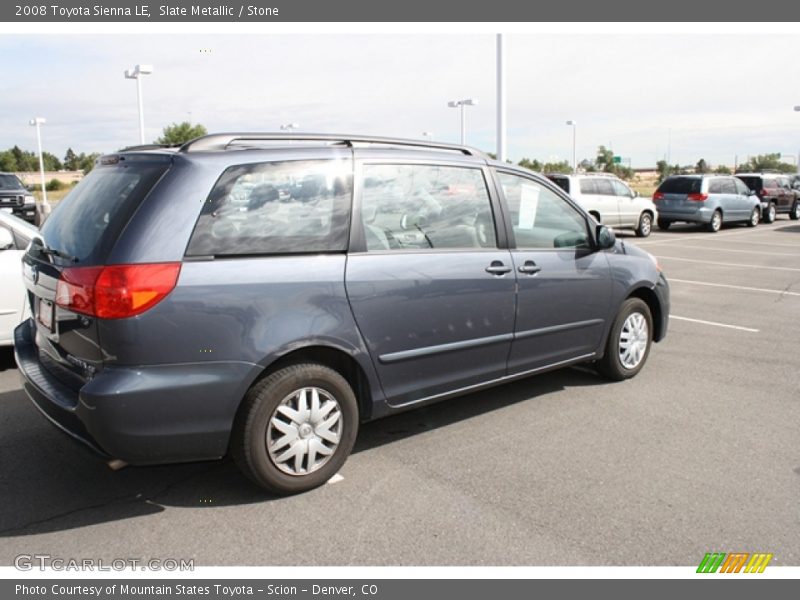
529	267
498	268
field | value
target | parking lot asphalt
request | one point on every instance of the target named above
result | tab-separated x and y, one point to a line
698	453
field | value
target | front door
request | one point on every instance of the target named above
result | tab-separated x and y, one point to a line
564	286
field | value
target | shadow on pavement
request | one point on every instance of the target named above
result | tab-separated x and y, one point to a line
50	483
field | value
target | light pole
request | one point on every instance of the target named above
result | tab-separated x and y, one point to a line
428	135
461	104
289	126
38	122
501	98
797	109
574	140
136	73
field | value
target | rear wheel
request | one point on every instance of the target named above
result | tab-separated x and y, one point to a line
645	225
755	217
295	428
794	214
664	224
716	222
628	342
770	213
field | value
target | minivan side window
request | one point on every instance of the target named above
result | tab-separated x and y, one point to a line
728	187
276	208
715	186
541	218
417	207
741	188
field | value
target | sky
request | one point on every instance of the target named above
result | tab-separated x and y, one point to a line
648	97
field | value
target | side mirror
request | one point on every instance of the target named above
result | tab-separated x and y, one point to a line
605	237
6	239
751	192
635	194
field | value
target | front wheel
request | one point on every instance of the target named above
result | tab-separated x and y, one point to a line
645	225
755	217
716	222
295	428
628	342
794	214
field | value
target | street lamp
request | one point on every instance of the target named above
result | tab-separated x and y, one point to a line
136	73
461	104
38	122
574	139
428	135
289	126
797	109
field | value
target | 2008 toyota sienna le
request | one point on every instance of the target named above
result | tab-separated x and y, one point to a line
263	294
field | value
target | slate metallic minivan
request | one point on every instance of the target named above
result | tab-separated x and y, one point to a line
263	294
708	200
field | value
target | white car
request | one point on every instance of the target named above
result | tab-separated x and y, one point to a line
609	200
14	237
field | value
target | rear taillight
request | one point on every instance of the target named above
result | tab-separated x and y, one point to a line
116	291
697	197
658	196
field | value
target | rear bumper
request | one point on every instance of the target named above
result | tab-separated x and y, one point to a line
144	414
691	214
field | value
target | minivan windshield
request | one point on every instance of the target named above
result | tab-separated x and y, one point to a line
681	185
85	224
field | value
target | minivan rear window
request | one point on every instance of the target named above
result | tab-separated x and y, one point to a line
681	185
288	207
86	223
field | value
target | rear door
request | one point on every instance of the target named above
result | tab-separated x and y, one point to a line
564	286
12	291
429	280
77	238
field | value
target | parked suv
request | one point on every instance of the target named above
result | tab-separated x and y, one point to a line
252	295
706	199
609	200
776	193
15	198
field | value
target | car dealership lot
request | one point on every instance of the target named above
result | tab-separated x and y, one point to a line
698	453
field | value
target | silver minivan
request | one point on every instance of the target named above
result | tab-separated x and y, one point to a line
709	200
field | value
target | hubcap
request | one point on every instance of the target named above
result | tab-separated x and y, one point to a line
633	340
754	217
717	221
646	224
304	431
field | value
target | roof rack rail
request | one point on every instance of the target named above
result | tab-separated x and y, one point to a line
147	147
221	141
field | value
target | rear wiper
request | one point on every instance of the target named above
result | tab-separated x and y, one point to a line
59	254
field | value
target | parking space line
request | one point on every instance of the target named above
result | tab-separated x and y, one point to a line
718	249
736	287
724	264
757	243
703	236
714	323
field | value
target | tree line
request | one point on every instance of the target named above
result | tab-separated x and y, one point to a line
17	159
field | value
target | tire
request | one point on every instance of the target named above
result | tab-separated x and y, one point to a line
664	224
715	224
770	214
645	225
617	365
794	214
755	217
260	423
